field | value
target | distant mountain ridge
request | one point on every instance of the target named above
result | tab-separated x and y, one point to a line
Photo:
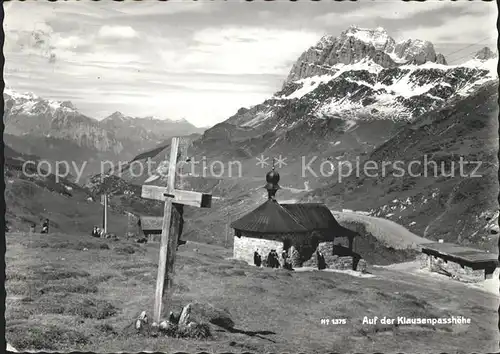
34	124
28	114
127	127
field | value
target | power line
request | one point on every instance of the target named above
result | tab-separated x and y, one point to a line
460	58
468	46
461	49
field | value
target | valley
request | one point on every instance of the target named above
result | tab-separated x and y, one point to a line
428	128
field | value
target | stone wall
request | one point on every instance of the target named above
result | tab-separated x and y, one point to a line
244	247
454	270
299	256
294	257
334	260
326	249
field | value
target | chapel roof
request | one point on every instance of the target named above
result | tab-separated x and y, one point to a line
272	217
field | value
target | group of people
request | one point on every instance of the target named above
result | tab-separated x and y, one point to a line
97	232
45	227
272	260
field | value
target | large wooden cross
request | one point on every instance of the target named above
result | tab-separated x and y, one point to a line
174	199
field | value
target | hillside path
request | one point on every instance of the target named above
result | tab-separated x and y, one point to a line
384	230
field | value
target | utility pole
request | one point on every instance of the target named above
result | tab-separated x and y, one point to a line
227	227
105	213
104	201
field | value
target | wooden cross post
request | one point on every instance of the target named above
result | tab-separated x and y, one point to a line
174	199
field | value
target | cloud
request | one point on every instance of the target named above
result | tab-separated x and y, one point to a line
136	9
396	11
117	32
240	50
468	28
200	60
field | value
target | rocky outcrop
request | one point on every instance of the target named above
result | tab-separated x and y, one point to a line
352	46
485	54
440	59
417	52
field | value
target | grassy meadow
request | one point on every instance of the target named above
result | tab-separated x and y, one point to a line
68	292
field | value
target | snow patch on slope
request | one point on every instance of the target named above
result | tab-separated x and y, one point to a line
406	86
258	119
309	84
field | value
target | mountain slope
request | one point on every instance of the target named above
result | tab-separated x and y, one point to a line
452	205
31	196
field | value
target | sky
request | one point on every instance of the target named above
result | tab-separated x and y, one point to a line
204	60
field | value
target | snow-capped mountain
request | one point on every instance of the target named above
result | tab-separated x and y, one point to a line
57	131
365	74
29	114
360	44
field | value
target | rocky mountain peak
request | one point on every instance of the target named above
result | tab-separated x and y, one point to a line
325	41
116	116
68	104
378	37
356	45
485	54
418	52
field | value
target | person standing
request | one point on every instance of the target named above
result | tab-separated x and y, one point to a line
321	260
269	261
276	261
45	227
256	258
284	255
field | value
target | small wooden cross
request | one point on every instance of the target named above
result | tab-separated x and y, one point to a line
172	226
